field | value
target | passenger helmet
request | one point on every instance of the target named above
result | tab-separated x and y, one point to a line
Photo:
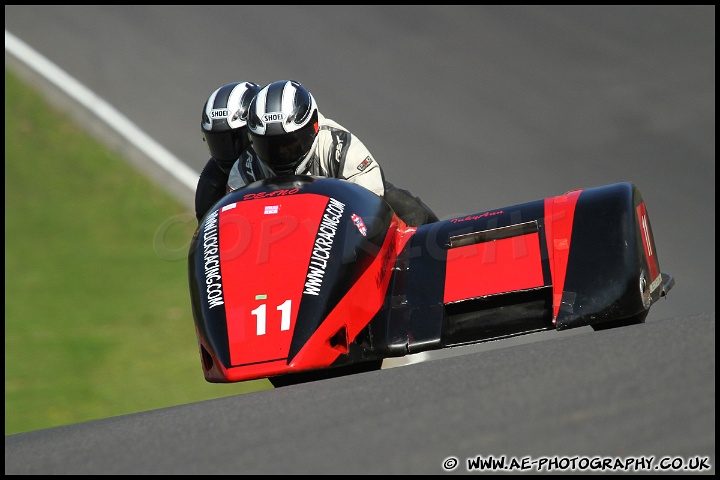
224	120
283	124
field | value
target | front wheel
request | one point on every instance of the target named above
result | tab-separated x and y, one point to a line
324	374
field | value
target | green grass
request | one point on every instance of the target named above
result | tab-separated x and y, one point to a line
97	308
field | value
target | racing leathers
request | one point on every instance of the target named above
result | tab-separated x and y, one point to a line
337	153
212	185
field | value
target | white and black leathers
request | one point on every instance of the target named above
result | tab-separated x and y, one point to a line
335	153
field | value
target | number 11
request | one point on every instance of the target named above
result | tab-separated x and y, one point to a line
260	313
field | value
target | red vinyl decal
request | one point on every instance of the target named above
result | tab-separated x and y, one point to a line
648	242
559	214
493	267
263	279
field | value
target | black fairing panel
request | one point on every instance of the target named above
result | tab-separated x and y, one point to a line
210	322
350	256
606	258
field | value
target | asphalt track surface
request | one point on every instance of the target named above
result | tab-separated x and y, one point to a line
471	108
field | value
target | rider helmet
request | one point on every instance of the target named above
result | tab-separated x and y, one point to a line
283	124
224	120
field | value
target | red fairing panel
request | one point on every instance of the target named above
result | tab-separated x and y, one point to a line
649	246
493	267
559	214
262	302
510	258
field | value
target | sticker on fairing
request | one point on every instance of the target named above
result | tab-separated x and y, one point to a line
358	221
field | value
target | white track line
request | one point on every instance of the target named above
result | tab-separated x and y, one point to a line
103	110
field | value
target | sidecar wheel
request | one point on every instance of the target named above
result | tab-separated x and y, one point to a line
624	322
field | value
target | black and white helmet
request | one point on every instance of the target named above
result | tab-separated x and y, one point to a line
283	124
224	120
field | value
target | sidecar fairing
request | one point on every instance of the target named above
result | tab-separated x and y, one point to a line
587	257
305	277
286	275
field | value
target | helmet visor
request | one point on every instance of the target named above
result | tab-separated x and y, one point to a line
284	152
227	145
